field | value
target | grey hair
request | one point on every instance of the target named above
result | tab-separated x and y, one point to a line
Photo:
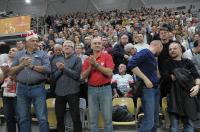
57	46
128	47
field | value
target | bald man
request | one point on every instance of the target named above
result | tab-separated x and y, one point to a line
180	102
99	70
144	66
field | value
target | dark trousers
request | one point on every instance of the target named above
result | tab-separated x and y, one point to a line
9	109
84	91
60	108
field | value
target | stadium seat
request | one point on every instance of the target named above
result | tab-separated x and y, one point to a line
130	106
164	111
51	113
1	111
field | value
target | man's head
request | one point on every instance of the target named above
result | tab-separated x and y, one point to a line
156	47
105	41
197	46
164	34
140	38
129	49
61	35
97	44
124	39
96	33
154	29
32	41
12	52
124	30
175	50
68	47
51	31
51	43
20	45
57	49
196	36
122	69
79	49
87	40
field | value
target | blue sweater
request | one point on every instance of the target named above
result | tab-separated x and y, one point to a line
146	62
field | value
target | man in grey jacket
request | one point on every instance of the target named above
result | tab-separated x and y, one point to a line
67	75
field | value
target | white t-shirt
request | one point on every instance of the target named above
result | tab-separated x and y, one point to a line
3	59
187	54
123	82
141	46
8	85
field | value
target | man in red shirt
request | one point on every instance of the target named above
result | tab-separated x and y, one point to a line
99	70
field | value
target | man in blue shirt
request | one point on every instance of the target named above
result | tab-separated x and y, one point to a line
144	66
31	67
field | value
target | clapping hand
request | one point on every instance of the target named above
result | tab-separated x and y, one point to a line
26	61
92	60
60	65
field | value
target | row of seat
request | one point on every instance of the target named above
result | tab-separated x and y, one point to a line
116	101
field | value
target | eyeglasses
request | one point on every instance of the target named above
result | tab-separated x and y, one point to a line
68	46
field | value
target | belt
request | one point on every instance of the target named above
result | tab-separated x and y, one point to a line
103	85
31	84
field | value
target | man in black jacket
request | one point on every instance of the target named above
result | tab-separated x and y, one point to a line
119	56
170	82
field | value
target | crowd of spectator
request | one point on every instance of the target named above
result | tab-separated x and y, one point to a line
122	34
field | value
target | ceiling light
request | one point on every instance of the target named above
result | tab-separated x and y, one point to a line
28	1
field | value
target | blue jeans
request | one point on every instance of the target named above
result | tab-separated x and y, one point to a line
100	99
9	109
174	121
150	104
36	95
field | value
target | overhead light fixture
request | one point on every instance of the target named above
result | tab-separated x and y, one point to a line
28	1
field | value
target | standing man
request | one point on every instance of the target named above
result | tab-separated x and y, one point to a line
165	39
141	44
144	66
178	107
31	67
99	70
9	95
66	72
119	56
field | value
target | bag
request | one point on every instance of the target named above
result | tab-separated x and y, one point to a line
121	114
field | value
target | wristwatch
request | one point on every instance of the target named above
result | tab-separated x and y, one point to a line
97	65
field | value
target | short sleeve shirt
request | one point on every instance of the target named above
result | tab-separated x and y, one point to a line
96	77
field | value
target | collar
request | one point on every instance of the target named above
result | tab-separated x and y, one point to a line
35	51
68	56
99	55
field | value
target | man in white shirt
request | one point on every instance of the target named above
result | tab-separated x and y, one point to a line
122	83
140	45
191	52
